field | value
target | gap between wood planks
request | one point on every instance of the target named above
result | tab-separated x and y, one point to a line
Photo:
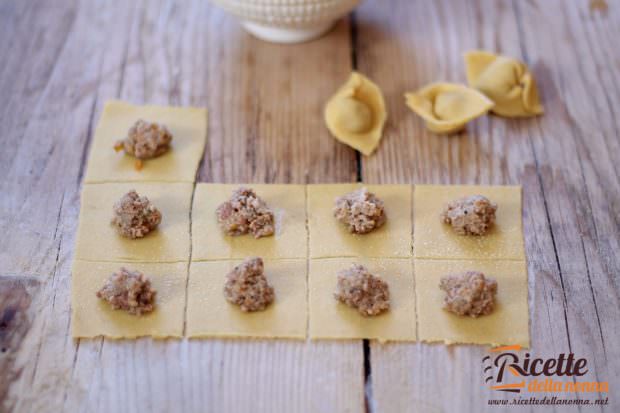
358	178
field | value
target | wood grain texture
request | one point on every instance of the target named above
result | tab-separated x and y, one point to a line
564	160
63	62
63	59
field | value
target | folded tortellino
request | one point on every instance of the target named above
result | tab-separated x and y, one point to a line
506	81
355	115
447	107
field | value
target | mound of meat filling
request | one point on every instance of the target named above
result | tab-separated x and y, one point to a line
247	286
469	294
471	215
361	290
145	140
246	213
130	291
135	216
360	211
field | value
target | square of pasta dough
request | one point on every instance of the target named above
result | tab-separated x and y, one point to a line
330	238
189	133
434	239
290	239
98	240
507	324
331	319
92	317
210	315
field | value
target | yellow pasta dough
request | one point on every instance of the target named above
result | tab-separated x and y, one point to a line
506	81
290	238
187	125
331	319
447	107
355	115
98	240
507	324
92	317
210	315
329	238
434	239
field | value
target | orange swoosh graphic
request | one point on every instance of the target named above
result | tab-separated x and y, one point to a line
516	347
513	371
509	386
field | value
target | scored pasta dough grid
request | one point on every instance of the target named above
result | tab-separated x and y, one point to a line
355	330
316	240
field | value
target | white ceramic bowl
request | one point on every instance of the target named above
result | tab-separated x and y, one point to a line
287	21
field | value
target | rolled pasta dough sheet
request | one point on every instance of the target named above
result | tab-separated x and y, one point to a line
333	320
434	239
290	238
330	238
93	317
187	125
507	324
210	315
98	240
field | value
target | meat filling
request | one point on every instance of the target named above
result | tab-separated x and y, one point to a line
246	213
360	211
472	215
135	216
469	294
247	286
363	291
130	291
145	140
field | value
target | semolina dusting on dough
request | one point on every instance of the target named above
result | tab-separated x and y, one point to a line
471	215
469	294
360	211
135	216
361	290
245	212
247	286
129	291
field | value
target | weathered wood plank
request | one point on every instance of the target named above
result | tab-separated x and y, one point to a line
578	140
564	161
266	108
16	296
264	126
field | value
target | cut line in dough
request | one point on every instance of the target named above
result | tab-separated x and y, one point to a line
507	324
187	125
93	317
98	240
330	238
210	315
290	238
333	320
436	240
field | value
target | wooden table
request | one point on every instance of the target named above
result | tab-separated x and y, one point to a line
61	60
